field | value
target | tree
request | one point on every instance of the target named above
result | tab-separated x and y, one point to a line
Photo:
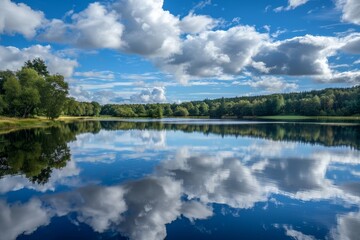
54	95
3	105
38	65
12	92
96	108
4	75
181	112
167	111
203	109
140	110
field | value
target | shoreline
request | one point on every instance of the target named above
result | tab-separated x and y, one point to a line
8	124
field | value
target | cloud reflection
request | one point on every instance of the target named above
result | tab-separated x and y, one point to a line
188	185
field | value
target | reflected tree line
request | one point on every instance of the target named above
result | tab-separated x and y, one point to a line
323	134
34	153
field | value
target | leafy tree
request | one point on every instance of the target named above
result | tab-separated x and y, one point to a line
12	92
181	112
4	75
54	95
203	109
140	110
168	111
96	108
38	65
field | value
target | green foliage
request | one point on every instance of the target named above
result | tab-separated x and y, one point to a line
328	102
53	96
181	112
38	65
3	105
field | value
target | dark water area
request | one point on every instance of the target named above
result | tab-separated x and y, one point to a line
181	179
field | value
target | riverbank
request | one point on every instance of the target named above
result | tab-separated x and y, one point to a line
8	124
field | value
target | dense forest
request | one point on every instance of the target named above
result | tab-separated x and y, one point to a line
32	91
328	102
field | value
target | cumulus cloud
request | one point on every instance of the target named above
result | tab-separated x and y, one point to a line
352	77
95	27
19	18
216	179
351	43
350	10
307	55
292	4
149	29
189	48
215	53
94	205
270	84
138	209
154	95
348	227
193	23
13	58
14	218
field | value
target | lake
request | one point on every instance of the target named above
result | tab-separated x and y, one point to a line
181	179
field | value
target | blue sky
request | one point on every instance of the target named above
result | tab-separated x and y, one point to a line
144	51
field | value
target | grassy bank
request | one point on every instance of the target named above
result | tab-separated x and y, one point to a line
8	124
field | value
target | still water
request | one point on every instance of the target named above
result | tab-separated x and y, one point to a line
181	179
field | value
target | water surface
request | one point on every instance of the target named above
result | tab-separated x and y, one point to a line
177	179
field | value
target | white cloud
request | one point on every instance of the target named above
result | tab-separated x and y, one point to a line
19	18
351	43
107	75
350	10
215	53
13	58
15	218
270	83
218	179
196	210
154	95
292	4
149	29
66	176
95	27
193	23
352	77
289	231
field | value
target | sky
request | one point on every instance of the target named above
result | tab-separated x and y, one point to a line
147	51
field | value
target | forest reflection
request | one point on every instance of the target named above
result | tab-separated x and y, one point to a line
34	153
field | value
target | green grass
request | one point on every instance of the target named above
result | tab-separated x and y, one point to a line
8	124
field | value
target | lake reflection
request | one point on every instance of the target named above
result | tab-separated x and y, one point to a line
199	180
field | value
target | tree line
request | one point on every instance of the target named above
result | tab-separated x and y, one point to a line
33	91
327	102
